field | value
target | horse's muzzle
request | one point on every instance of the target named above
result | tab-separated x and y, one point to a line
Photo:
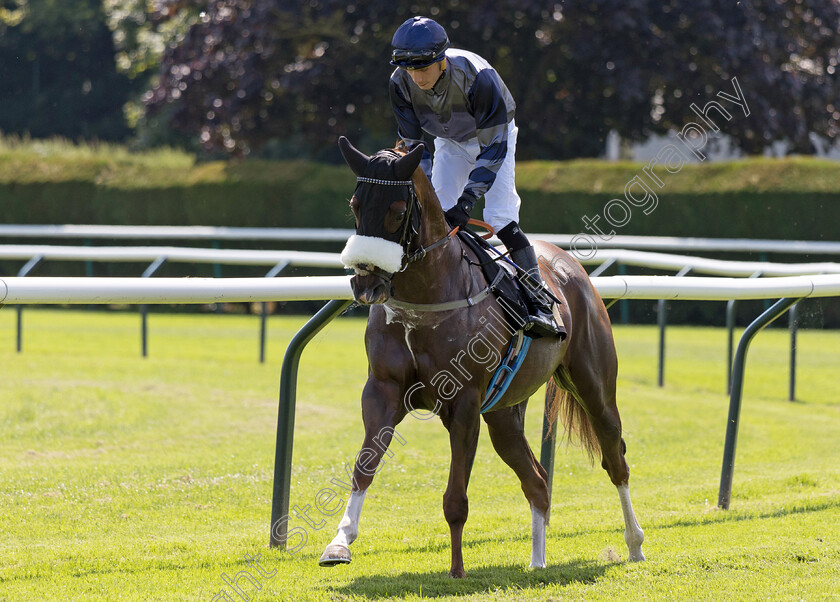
370	289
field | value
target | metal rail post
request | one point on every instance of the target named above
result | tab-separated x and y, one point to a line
217	273
270	274
730	333
144	309
623	307
776	310
730	345
793	325
286	418
600	270
662	319
27	267
602	267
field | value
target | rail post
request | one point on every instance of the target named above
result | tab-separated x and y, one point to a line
602	267
662	319
286	418
770	314
623	307
27	267
144	309
730	334
270	274
793	325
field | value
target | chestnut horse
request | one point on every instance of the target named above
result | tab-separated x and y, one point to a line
434	337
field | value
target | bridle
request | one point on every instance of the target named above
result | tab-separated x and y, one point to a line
410	225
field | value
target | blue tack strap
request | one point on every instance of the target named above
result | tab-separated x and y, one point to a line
507	369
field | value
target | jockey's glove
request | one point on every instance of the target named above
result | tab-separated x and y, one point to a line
459	215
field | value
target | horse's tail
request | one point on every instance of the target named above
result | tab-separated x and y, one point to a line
564	397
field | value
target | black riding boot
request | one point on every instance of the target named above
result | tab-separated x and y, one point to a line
541	321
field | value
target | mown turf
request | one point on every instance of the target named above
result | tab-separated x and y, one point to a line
146	479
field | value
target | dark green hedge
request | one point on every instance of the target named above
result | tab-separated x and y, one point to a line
760	198
785	199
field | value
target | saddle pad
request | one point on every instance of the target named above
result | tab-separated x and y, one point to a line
507	287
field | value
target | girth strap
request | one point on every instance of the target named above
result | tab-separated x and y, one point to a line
448	305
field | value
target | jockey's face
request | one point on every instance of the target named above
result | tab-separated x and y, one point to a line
426	77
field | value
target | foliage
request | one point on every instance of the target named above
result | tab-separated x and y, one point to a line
58	71
58	183
53	159
252	71
142	31
139	479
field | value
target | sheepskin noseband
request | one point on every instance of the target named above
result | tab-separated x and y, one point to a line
373	251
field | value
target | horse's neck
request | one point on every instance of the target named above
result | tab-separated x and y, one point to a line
441	275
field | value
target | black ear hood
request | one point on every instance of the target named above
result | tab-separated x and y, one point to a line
355	158
407	164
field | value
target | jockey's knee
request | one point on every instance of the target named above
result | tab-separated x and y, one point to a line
513	237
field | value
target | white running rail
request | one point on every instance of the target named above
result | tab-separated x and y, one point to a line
25	291
658	243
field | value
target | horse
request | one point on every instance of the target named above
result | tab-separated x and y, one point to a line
430	331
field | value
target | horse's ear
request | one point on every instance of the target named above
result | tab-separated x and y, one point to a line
355	158
406	164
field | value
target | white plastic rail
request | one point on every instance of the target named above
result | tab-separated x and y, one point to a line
664	261
658	243
210	290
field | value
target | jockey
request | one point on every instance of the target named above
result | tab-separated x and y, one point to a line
457	97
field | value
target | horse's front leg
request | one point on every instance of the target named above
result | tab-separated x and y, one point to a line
462	422
381	412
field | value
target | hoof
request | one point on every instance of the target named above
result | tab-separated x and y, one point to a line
335	554
637	556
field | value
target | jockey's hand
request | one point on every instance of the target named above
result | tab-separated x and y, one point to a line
459	215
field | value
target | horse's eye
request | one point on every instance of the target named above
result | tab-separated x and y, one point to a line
354	207
395	216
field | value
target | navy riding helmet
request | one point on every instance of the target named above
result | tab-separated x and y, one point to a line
418	42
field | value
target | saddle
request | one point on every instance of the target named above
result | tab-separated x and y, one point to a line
502	278
510	295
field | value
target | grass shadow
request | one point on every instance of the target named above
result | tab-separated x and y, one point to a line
488	579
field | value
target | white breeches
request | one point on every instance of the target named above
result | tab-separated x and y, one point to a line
453	162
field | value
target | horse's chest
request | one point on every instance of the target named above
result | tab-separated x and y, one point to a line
442	357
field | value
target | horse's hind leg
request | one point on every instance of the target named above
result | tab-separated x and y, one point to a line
594	388
507	432
608	429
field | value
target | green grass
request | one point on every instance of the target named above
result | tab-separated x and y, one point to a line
141	479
